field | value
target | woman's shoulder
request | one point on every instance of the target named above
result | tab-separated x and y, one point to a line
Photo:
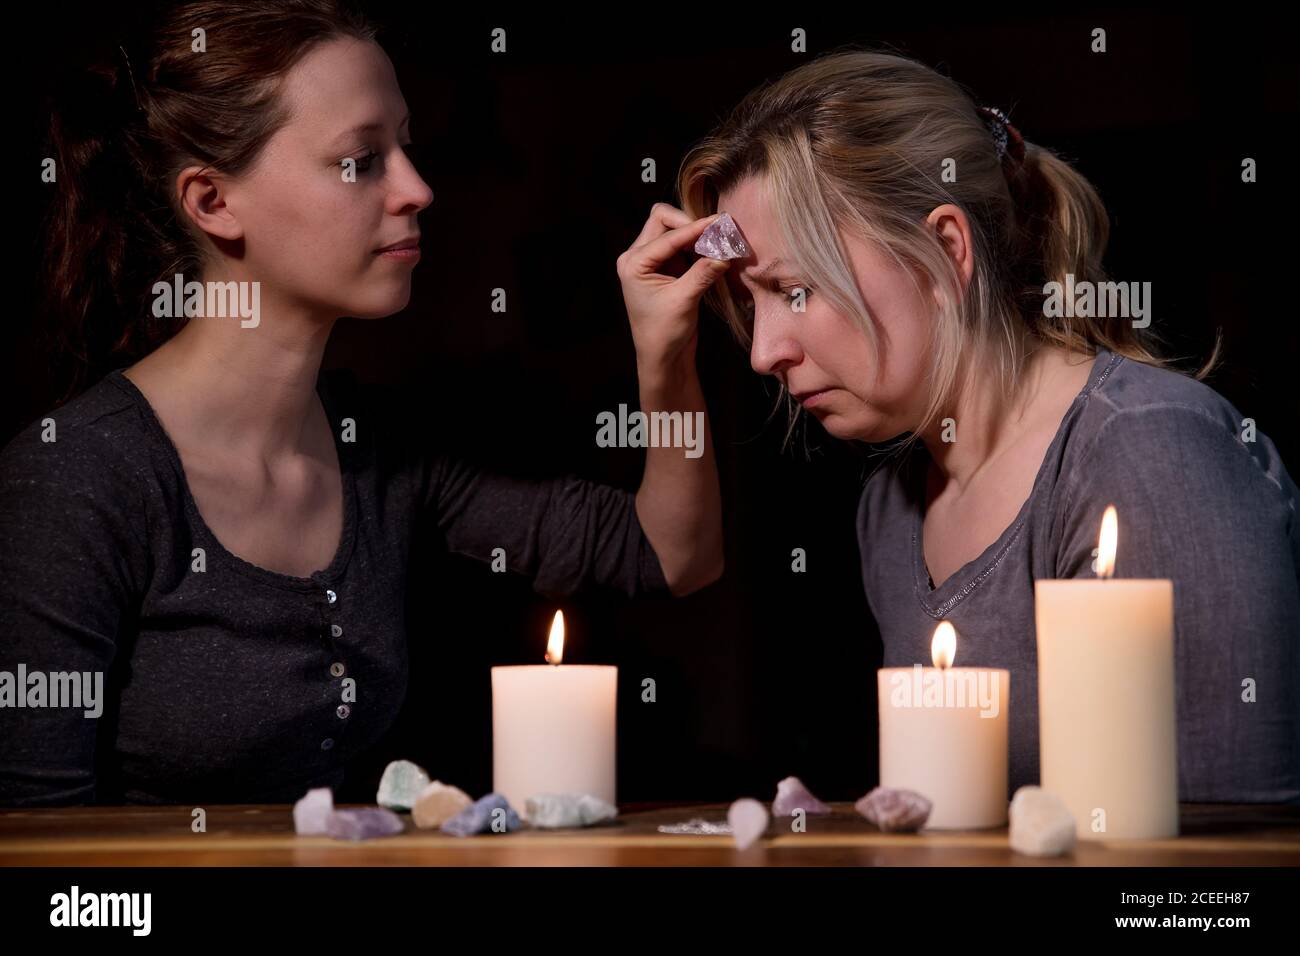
74	485
93	438
1129	387
1165	425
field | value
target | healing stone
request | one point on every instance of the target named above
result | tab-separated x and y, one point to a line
311	812
696	826
1040	824
478	817
437	803
721	239
895	811
595	810
555	810
401	785
363	824
792	795
748	819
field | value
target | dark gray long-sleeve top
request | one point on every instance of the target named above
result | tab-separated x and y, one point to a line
227	684
1197	504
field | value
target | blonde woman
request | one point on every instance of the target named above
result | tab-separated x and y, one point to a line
900	242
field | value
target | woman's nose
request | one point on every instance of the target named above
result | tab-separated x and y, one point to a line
772	348
411	194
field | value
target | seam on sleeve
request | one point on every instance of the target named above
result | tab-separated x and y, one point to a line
1090	451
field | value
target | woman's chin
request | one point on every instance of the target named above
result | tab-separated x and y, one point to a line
382	307
853	427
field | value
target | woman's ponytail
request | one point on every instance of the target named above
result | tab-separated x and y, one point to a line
1062	229
98	250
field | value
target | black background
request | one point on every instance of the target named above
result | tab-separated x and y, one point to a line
535	160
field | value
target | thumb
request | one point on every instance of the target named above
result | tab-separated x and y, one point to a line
703	274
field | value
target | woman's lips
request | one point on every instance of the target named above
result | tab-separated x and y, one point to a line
809	399
405	254
408	250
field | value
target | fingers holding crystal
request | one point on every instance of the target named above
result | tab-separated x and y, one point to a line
651	256
662	218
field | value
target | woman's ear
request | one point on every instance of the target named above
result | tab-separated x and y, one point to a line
952	229
202	196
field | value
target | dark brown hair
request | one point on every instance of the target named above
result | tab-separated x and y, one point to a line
146	107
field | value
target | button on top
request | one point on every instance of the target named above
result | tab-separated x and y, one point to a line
331	596
327	743
337	669
343	711
336	631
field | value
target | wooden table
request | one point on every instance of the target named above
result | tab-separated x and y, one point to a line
1212	835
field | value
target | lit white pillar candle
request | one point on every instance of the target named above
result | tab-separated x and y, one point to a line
1107	719
553	727
943	733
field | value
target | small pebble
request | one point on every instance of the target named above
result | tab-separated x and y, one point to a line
895	811
748	819
437	803
792	795
556	810
1040	824
312	811
479	816
363	824
401	785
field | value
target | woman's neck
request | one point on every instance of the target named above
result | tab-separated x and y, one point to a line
986	422
249	390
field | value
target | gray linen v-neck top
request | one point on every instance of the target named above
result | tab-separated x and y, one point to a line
1197	504
227	684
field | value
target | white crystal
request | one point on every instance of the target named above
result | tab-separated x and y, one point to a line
1040	824
696	826
555	810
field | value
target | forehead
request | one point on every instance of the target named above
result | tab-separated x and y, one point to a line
748	204
343	82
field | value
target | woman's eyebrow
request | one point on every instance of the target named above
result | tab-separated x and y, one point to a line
368	128
763	271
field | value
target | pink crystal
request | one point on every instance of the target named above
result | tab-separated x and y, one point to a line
792	795
894	811
722	240
748	820
363	824
312	811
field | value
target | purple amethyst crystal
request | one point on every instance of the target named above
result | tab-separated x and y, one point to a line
792	795
363	824
894	811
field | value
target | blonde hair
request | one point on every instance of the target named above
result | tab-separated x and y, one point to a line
858	139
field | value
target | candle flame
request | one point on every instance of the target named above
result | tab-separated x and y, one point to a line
943	646
555	644
1108	542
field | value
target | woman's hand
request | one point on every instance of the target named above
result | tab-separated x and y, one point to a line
678	505
661	293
